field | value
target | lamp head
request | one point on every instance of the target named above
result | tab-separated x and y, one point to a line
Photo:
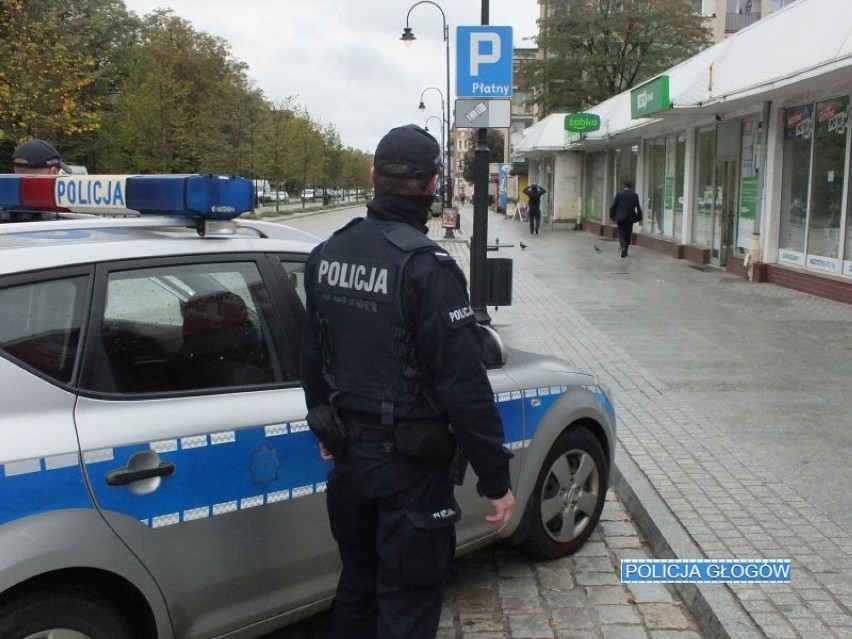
408	36
421	106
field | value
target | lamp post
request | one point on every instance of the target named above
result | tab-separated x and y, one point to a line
445	161
408	37
441	123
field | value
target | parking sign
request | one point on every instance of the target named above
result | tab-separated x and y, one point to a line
484	62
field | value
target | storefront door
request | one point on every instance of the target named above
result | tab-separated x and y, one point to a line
725	214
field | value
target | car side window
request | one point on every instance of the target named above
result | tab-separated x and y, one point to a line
296	272
40	324
188	327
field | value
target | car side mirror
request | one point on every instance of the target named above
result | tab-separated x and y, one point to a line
493	350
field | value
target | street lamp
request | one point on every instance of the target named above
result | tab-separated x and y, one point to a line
408	38
445	175
440	122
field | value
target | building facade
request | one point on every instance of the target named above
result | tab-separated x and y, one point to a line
741	154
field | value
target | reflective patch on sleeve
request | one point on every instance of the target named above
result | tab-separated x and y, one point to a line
444	258
459	316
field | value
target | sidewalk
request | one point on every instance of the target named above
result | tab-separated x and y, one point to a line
734	403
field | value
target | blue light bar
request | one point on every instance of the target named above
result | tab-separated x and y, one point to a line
212	197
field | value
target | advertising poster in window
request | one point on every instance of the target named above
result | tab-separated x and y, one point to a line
831	117
799	122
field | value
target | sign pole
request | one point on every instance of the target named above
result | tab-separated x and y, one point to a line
479	240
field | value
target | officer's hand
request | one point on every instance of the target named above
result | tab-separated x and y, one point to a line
326	456
503	509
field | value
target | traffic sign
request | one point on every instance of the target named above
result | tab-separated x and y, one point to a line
483	114
484	62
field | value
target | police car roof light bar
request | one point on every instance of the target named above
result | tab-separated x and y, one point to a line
210	197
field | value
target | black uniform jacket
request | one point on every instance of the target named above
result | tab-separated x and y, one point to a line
447	346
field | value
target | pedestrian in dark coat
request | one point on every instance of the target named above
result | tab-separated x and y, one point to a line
534	193
625	211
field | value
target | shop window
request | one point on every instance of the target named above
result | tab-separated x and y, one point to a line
655	167
593	208
749	187
829	169
707	196
798	133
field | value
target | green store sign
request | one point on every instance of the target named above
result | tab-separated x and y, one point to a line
582	122
650	98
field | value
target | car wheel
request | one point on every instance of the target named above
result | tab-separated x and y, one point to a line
62	614
568	497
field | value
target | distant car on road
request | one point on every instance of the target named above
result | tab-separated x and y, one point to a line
158	479
308	194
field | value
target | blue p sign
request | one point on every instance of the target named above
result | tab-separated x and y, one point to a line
484	62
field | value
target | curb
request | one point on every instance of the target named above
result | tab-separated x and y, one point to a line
715	608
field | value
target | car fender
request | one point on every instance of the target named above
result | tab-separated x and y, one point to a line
576	407
74	539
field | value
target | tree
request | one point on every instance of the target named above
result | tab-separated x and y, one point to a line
46	69
495	149
591	50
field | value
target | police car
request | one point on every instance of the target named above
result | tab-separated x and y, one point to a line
157	476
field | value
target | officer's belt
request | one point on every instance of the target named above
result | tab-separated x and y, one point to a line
373	422
361	420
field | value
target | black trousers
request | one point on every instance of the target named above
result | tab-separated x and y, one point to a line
625	233
393	518
535	219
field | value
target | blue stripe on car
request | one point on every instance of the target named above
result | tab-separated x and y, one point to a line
218	473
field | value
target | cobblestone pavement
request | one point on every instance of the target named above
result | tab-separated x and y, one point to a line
499	594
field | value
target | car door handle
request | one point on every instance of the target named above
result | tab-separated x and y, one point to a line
124	476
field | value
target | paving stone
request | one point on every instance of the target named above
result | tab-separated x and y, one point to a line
592	549
597	579
607	595
476	598
580	618
476	623
530	627
593	564
618	529
576	634
564	598
624	632
622	613
650	593
518	589
674	634
555	577
662	616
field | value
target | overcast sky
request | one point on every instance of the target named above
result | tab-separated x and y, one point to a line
342	60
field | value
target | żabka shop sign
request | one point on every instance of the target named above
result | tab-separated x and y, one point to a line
582	122
650	98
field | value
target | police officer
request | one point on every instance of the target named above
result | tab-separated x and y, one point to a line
37	157
391	343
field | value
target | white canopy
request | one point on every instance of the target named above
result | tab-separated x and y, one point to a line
804	45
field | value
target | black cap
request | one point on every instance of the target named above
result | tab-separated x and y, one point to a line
408	152
38	154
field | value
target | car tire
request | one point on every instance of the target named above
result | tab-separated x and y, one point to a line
68	613
568	497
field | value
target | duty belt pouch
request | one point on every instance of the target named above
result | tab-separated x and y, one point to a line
326	425
425	439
